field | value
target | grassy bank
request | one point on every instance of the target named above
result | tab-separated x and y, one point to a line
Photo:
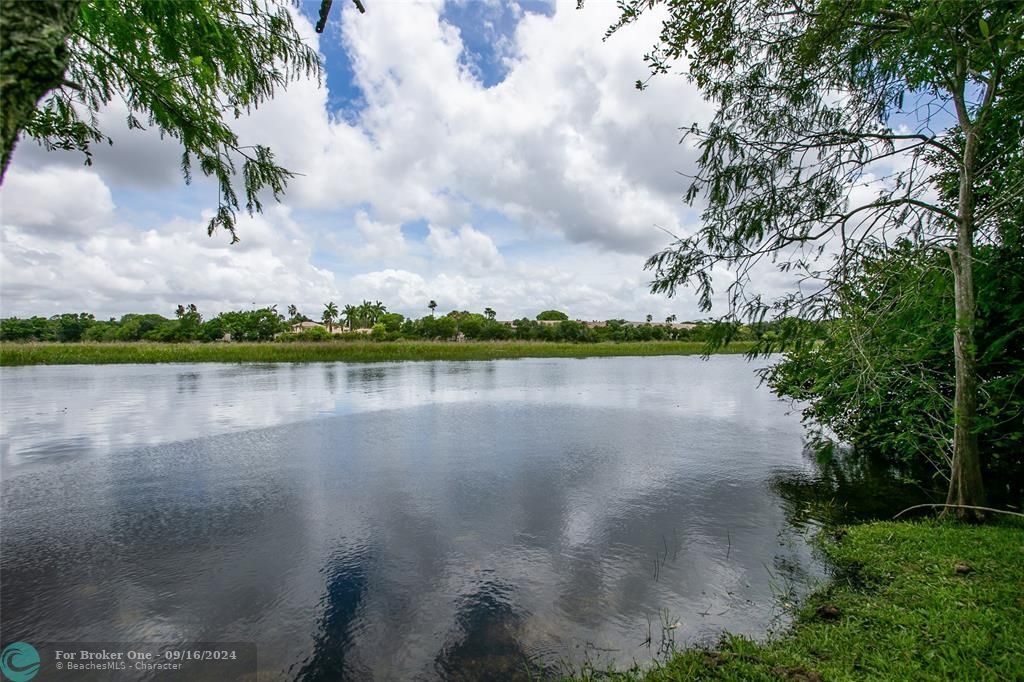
355	351
899	610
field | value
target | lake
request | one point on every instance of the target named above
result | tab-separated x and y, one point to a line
467	520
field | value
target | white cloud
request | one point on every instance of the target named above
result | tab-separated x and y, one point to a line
473	248
115	268
565	143
57	201
410	292
136	158
383	240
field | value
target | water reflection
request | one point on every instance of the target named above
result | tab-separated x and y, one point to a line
404	521
488	639
844	487
346	578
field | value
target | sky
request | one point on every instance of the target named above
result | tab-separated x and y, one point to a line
476	153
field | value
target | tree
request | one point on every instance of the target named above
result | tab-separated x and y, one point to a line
184	67
31	329
188	325
392	322
351	315
879	378
814	99
433	306
71	327
670	319
650	318
489	313
552	315
293	312
251	325
372	312
330	315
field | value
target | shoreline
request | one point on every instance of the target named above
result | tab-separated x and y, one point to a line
24	354
921	600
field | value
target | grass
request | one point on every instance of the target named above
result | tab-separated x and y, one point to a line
12	354
903	613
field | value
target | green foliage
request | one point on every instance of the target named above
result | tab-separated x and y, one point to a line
253	325
552	315
29	329
314	334
71	327
212	330
444	327
186	67
880	377
330	314
392	322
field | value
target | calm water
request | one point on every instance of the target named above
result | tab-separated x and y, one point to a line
400	521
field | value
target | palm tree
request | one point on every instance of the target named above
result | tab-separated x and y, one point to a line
649	318
351	316
370	313
670	319
489	313
293	312
330	314
433	306
377	311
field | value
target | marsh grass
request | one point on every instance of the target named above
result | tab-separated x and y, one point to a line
904	612
344	351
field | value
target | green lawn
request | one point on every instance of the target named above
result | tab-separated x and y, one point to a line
904	612
344	351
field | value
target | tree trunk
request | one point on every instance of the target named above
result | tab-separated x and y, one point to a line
33	58
965	485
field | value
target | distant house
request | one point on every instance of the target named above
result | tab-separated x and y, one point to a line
670	325
339	328
596	324
303	326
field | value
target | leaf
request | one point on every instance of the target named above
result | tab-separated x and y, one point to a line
983	25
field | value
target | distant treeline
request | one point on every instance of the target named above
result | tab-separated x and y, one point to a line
266	324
